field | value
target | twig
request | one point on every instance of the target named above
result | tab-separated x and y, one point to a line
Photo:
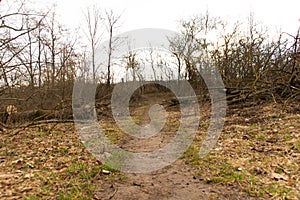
111	196
35	123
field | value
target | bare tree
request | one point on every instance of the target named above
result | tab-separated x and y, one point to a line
15	25
93	19
131	62
191	46
176	50
151	61
111	24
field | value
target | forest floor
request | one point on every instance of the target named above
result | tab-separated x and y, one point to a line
256	157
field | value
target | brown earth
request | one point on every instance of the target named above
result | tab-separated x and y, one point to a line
257	157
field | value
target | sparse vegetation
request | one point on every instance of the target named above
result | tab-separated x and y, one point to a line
42	155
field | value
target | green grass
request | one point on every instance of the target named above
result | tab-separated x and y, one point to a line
117	159
80	181
64	150
31	197
192	154
297	145
113	136
217	168
77	167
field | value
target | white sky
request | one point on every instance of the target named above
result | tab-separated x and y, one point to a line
135	14
276	14
165	13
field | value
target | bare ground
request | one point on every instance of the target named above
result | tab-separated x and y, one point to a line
173	182
257	157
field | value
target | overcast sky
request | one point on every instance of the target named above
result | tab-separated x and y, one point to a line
276	14
165	13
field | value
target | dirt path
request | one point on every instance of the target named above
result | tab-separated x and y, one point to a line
257	156
172	182
177	181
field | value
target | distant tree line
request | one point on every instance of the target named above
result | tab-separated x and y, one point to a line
250	63
40	58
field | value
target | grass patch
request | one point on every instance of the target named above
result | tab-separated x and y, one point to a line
117	159
249	155
113	135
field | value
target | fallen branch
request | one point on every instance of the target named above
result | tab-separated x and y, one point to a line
37	123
